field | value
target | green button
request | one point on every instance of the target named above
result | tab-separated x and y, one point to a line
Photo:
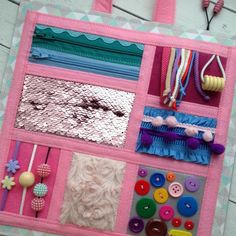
146	208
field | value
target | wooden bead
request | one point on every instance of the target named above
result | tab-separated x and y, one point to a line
26	179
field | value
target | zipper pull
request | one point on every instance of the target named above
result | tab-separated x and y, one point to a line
36	54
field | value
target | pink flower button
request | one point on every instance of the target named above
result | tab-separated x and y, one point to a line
166	213
175	189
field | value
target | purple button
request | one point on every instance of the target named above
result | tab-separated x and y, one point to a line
192	184
136	225
142	172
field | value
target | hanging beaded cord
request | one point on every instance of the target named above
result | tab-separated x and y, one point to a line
181	64
40	189
8	182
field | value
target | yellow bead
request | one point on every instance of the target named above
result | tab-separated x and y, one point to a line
161	195
26	179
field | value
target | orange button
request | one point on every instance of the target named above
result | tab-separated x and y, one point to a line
170	176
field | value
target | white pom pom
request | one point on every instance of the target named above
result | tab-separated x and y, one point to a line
171	121
157	121
191	131
207	136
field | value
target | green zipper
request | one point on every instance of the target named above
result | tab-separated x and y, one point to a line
97	49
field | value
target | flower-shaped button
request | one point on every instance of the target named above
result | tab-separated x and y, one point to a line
12	166
8	182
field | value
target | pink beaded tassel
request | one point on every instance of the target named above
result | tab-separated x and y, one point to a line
205	3
219	5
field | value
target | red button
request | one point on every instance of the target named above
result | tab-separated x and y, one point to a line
142	187
189	225
176	222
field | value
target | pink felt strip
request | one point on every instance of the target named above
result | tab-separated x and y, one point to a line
50	226
81	77
186	107
24	155
123	212
139	103
102	6
115	153
215	169
60	183
132	35
164	11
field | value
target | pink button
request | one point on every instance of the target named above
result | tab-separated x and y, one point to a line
166	213
175	189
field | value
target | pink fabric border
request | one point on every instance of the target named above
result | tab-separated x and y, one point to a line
210	194
78	145
102	6
81	77
186	107
126	198
60	184
141	93
215	169
131	35
164	11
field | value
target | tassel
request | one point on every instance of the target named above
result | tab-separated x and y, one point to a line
217	148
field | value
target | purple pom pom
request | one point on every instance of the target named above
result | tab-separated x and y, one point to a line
146	139
193	143
170	136
217	148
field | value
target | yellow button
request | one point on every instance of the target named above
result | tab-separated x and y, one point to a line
175	232
161	195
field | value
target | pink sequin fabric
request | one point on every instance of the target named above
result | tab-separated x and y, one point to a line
77	110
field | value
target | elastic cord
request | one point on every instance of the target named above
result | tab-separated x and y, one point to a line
168	75
175	92
183	88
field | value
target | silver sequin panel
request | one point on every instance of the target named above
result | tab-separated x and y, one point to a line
75	110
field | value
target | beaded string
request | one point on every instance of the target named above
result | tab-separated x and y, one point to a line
29	170
41	181
183	87
196	77
168	75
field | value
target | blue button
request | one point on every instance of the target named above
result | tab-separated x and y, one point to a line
187	206
157	180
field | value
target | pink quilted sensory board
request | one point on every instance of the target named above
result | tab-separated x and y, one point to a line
88	114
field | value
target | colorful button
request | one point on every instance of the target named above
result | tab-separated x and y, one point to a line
161	195
175	189
192	184
187	206
142	187
157	180
175	232
142	172
136	225
146	208
156	227
176	222
170	176
189	225
166	213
